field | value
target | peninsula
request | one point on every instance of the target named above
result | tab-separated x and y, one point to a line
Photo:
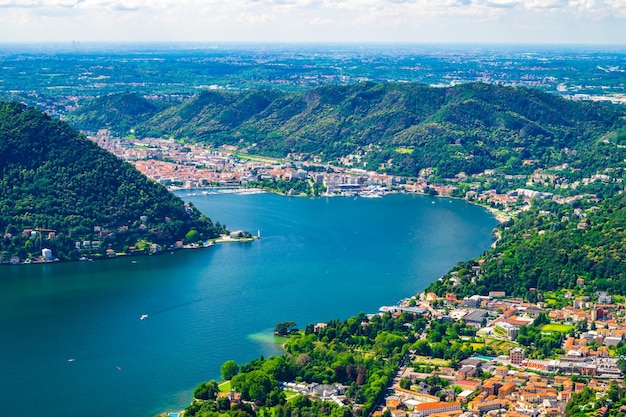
440	356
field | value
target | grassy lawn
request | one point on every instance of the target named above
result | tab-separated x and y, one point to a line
551	302
224	386
257	158
290	394
555	327
404	151
431	361
502	347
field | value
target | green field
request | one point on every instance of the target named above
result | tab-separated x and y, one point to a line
404	151
502	347
257	158
554	327
224	386
431	361
290	394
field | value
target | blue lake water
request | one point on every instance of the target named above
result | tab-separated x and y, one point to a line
72	342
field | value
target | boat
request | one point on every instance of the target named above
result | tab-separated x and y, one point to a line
144	316
370	194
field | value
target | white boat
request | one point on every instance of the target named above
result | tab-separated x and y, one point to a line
144	316
370	194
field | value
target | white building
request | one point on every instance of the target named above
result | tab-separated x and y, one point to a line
47	254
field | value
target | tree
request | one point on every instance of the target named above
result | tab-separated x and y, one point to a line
405	383
361	374
614	393
285	328
192	236
254	385
388	341
422	347
229	369
206	391
223	403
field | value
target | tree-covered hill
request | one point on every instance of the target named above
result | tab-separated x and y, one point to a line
548	247
52	178
400	128
117	112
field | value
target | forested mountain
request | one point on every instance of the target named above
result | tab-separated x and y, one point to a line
548	247
400	128
53	178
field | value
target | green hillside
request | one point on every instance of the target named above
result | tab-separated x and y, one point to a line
397	128
117	112
52	178
549	247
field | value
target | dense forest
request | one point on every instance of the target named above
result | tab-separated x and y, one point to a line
57	188
397	128
548	247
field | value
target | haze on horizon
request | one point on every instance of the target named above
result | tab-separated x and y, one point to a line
601	22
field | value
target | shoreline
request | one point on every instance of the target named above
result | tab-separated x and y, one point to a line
171	250
499	215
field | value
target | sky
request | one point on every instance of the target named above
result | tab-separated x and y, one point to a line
310	21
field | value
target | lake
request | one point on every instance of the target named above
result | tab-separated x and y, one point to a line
73	343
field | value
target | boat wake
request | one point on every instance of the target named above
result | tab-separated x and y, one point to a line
177	306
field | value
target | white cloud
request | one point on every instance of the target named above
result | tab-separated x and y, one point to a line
342	20
319	21
546	4
502	3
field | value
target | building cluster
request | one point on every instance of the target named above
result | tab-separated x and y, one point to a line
510	391
515	384
182	165
325	392
188	166
548	179
96	241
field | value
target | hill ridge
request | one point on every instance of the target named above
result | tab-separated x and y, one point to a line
52	177
496	126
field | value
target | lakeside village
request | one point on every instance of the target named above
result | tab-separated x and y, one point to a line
196	166
514	378
91	248
519	380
